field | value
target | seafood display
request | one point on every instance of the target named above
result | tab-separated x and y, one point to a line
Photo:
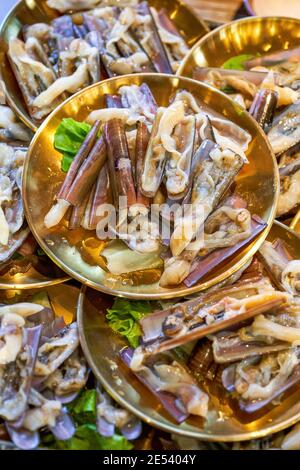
150	190
170	167
239	342
43	382
53	61
268	87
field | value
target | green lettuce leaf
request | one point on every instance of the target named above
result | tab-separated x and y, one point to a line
68	138
84	408
123	318
237	62
87	437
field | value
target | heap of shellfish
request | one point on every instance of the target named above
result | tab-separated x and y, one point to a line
42	369
179	158
239	342
52	61
269	89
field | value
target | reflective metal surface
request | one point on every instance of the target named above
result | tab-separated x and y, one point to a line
77	251
32	279
256	35
101	347
35	11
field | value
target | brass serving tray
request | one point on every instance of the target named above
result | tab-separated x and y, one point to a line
101	347
258	183
252	35
33	11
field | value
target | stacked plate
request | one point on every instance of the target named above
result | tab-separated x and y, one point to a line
160	158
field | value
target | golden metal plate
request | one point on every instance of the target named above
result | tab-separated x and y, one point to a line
254	35
258	183
34	11
101	347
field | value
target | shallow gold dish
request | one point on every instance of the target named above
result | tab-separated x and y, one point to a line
253	35
101	347
257	183
33	11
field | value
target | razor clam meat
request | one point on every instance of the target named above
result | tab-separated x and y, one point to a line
263	379
181	324
56	350
43	412
213	179
289	197
12	232
34	77
176	46
285	130
18	349
165	374
161	142
10	128
70	377
281	266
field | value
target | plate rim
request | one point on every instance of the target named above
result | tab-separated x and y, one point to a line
248	19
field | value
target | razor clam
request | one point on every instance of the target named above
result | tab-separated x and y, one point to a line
47	40
80	178
178	165
80	52
109	416
275	58
11	129
227	230
281	266
119	163
170	382
285	130
140	100
34	77
144	29
174	43
263	107
141	144
159	144
17	362
56	350
197	260
215	175
254	388
215	77
70	377
234	346
289	197
195	319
